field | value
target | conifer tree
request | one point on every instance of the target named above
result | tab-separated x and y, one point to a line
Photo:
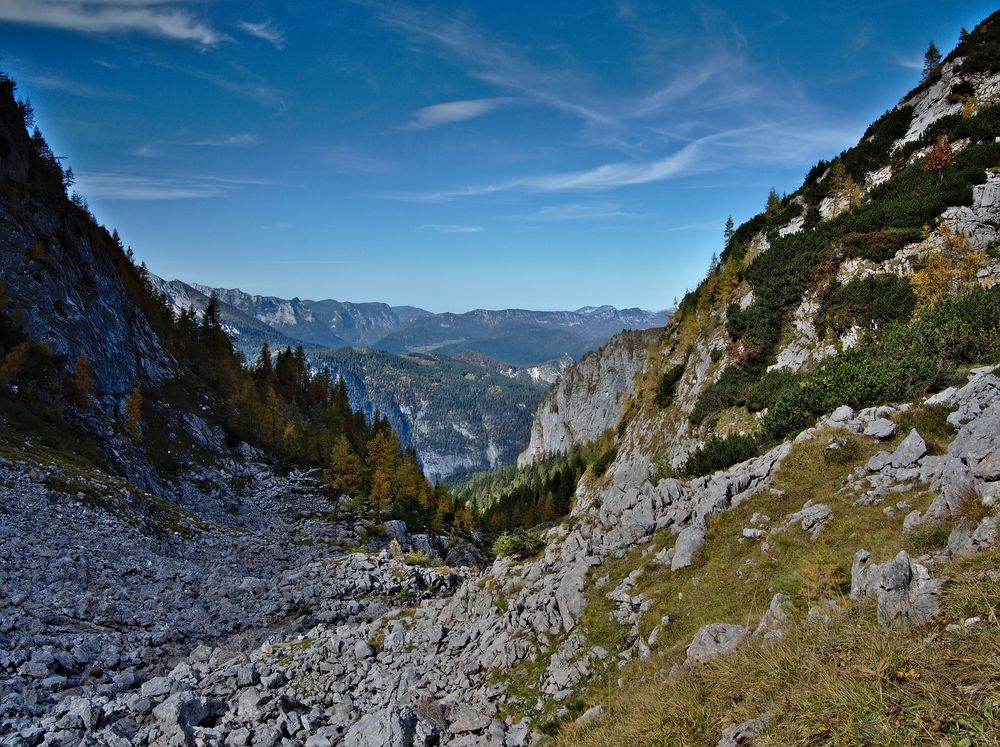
729	231
932	58
83	382
133	414
773	203
843	189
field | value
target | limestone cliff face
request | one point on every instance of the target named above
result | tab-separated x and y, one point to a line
588	397
62	271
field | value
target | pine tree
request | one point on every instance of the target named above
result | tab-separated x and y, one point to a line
932	58
83	382
729	231
963	35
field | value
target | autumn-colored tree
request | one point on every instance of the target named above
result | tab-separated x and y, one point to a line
949	269
932	58
343	476
133	414
969	107
773	203
383	457
83	382
843	189
940	157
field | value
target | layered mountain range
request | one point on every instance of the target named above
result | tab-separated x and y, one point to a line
459	388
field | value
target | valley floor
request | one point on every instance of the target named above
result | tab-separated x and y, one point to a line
840	589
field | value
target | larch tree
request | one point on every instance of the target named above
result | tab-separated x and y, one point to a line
133	414
83	382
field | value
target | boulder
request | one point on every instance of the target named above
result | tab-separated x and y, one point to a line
689	541
905	592
466	719
181	711
909	451
881	430
388	728
714	640
744	733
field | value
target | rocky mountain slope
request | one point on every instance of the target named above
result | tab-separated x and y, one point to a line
776	554
589	397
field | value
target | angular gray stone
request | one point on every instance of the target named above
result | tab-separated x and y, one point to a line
745	733
466	719
689	541
182	710
388	728
881	429
842	414
591	714
714	640
905	592
910	450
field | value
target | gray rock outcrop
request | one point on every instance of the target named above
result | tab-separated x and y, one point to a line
589	396
904	590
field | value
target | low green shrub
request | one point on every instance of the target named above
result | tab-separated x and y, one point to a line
872	302
372	532
720	452
601	464
416	557
517	544
666	386
910	360
878	246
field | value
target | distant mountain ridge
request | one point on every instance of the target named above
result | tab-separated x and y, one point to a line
519	337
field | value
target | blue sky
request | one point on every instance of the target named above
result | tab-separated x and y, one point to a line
452	156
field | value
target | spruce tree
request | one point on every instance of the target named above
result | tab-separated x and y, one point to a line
932	58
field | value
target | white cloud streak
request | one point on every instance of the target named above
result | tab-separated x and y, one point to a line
452	111
264	31
439	228
238	140
153	17
129	187
577	212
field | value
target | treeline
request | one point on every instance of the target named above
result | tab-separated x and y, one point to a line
514	497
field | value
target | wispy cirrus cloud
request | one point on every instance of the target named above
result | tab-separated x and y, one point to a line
452	111
54	82
910	63
491	60
237	140
162	18
264	31
577	212
444	228
351	159
134	187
